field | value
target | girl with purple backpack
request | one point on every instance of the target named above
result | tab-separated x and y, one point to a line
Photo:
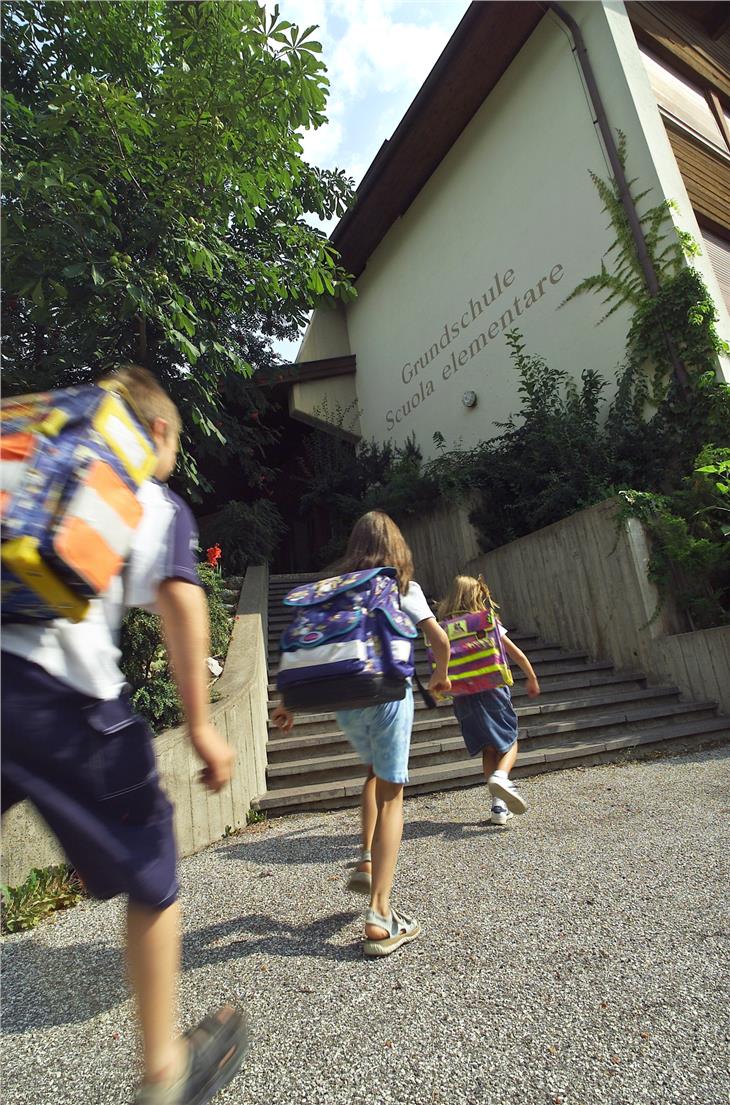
381	736
481	682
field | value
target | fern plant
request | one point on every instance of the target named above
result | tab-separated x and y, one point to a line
624	282
677	322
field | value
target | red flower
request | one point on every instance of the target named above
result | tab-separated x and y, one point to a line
213	555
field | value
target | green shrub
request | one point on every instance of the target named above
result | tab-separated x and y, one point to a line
248	533
144	657
45	891
689	530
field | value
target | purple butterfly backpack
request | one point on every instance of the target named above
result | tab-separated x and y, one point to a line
350	645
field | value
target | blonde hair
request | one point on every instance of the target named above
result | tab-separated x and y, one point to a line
148	397
466	595
377	542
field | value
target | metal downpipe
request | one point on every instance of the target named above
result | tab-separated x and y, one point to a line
652	283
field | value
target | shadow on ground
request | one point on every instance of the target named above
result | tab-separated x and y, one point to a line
48	986
308	846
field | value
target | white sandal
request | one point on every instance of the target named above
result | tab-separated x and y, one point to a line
360	882
401	930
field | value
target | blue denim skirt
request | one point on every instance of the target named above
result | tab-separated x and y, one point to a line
487	720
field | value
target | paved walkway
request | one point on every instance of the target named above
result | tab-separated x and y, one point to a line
579	955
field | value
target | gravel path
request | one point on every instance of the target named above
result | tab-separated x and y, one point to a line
578	955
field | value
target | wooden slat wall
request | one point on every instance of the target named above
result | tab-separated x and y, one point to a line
706	178
681	42
718	250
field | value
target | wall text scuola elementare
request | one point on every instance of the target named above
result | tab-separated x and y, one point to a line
425	386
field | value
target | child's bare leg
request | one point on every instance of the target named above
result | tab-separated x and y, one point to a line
153	957
489	760
385	846
368	817
507	762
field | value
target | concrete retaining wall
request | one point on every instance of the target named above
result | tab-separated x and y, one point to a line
441	543
240	714
699	663
583	583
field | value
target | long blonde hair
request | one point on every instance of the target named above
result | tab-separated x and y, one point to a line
377	542
466	595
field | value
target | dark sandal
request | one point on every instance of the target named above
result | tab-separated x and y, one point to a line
216	1050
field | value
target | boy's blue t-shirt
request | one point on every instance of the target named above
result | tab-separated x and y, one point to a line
85	655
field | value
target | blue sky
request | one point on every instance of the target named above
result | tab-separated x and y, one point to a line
378	54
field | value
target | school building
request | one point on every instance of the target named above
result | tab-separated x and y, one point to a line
480	215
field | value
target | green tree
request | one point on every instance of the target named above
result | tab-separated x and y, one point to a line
157	204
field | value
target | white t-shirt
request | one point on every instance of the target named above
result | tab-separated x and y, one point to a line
414	604
85	655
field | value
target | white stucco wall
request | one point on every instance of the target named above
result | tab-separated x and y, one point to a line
329	405
326	335
509	222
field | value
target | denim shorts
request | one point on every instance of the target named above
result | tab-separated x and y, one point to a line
487	720
381	736
88	766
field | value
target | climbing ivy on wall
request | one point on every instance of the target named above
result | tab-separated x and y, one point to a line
672	328
683	494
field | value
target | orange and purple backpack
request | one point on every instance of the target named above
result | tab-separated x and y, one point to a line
71	464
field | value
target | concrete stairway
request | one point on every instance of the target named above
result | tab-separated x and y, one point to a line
587	713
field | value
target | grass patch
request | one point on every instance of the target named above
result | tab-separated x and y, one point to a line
45	891
255	817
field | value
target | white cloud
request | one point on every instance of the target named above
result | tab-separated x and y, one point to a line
372	48
378	54
382	51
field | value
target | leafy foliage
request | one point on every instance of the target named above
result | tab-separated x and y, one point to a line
624	283
156	202
144	657
690	528
248	533
343	481
45	891
672	331
561	452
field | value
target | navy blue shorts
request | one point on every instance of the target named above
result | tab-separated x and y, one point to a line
487	720
88	767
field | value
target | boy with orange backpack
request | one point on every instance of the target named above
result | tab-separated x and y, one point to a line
71	742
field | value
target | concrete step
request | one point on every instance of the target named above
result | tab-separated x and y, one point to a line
441	746
552	687
545	670
526	641
281	746
553	755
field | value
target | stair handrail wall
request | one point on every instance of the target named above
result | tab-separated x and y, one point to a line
240	713
584	582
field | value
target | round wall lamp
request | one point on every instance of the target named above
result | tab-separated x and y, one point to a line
469	399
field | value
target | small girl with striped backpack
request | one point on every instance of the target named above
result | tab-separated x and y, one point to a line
480	683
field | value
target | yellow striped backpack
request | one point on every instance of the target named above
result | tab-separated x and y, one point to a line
478	661
71	463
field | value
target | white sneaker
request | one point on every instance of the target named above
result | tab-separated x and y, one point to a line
500	815
500	786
